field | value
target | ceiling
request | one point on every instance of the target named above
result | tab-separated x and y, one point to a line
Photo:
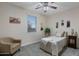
62	6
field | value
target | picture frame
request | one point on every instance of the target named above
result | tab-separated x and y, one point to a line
62	23
31	23
14	20
68	23
57	24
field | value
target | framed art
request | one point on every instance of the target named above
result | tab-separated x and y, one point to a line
68	24
56	24
14	20
31	23
62	23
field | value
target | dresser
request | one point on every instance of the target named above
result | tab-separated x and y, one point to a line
72	41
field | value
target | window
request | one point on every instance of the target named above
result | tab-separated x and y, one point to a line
31	22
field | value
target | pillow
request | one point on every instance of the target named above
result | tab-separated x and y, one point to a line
60	34
63	34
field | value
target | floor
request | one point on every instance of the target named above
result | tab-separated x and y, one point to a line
34	50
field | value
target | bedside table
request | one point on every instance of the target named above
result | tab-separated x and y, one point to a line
72	41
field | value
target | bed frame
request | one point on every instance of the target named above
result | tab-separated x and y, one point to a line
47	48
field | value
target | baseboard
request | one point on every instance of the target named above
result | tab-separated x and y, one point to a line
29	43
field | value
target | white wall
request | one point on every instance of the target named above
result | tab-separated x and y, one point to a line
72	15
18	31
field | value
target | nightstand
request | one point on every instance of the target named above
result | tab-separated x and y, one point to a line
72	41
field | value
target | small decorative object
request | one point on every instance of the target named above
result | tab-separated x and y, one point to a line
47	31
56	24
68	23
76	34
72	31
13	20
62	23
41	28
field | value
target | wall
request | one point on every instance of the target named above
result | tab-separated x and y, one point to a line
19	31
72	15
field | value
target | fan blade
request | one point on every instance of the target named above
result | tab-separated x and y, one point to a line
38	7
45	11
52	2
53	7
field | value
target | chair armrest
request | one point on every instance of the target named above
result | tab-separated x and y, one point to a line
17	41
4	46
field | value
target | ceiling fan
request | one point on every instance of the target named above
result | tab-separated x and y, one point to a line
45	6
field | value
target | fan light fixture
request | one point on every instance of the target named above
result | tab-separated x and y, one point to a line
45	6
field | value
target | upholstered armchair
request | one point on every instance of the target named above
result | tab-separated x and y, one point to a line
9	45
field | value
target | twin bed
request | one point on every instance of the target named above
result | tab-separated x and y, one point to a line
53	44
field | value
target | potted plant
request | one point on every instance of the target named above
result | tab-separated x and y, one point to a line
47	31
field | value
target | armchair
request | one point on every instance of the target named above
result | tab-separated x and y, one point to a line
9	45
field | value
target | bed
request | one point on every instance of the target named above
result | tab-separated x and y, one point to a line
53	44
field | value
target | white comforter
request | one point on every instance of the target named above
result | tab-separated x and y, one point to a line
57	43
53	39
